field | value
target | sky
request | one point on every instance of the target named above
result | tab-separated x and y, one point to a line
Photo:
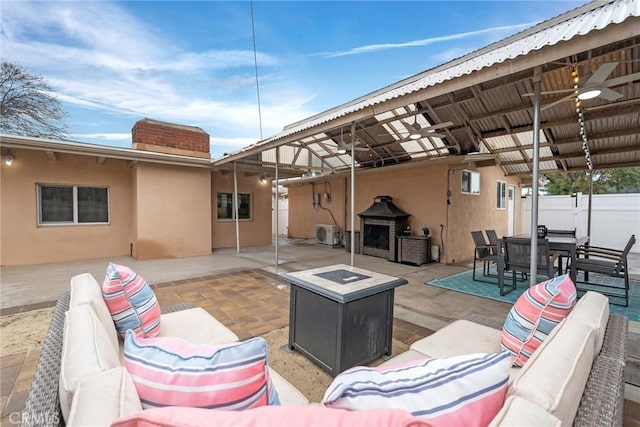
193	63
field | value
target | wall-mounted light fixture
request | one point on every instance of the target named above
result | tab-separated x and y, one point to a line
263	179
8	159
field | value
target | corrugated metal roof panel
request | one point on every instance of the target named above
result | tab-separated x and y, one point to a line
593	16
414	148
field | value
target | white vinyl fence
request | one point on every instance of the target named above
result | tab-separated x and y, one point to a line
283	217
614	218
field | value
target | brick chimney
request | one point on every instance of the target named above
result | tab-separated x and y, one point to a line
169	138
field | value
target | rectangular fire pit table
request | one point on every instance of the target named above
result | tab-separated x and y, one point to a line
341	316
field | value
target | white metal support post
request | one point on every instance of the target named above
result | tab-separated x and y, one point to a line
533	267
235	205
277	204
353	191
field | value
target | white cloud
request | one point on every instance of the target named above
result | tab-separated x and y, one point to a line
103	136
449	54
97	56
423	42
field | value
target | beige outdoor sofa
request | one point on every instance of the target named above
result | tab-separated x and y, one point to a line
87	383
575	377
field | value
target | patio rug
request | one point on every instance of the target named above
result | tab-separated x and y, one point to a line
463	282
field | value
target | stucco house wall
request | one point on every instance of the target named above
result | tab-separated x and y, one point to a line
418	190
173	211
24	242
253	232
469	212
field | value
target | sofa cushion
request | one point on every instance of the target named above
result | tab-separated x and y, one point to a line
86	290
459	337
197	326
464	390
556	375
104	397
174	372
593	309
287	394
131	301
404	357
270	416
86	350
534	315
517	410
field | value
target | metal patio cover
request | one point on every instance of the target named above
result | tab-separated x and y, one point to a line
484	96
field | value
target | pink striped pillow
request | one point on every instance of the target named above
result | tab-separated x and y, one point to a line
174	372
466	390
131	301
534	315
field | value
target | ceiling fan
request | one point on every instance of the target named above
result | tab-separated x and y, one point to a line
343	147
594	86
415	131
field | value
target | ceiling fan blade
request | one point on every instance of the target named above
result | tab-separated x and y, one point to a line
424	135
609	95
410	126
622	80
438	126
544	107
601	74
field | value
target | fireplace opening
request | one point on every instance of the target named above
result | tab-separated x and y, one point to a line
379	226
376	236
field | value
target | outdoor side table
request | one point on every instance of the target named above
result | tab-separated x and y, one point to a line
341	316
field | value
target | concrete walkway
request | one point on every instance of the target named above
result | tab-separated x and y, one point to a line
426	306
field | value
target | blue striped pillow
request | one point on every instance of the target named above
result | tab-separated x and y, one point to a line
464	390
131	301
174	372
534	315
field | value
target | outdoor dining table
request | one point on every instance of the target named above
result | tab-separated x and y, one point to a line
563	244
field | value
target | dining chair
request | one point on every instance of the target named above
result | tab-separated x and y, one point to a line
563	254
493	239
483	252
604	262
517	259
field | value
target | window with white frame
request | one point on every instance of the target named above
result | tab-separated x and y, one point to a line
470	182
72	204
501	190
225	206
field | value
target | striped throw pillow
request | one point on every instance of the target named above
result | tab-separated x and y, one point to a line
467	390
174	372
131	301
534	315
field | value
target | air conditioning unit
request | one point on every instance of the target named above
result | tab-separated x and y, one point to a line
326	234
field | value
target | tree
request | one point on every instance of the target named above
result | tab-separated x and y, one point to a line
27	106
624	180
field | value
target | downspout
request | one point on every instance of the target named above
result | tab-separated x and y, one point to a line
442	254
344	193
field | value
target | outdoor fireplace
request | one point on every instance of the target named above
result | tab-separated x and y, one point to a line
379	226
